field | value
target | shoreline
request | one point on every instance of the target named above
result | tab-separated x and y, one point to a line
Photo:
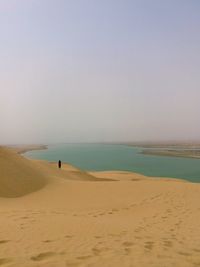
165	150
97	174
22	149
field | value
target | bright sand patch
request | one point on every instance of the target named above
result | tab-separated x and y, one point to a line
59	218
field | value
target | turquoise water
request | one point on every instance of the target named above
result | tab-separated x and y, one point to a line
100	157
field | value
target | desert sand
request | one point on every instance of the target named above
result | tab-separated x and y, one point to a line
68	217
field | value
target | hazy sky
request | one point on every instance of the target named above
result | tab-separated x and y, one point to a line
99	70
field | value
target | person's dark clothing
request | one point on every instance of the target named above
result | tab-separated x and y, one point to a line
59	164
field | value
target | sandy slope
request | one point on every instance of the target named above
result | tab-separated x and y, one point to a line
18	176
70	218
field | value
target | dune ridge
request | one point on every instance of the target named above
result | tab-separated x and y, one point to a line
18	175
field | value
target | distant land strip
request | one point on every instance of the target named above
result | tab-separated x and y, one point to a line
166	145
20	149
184	153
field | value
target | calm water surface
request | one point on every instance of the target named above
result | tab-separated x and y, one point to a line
98	157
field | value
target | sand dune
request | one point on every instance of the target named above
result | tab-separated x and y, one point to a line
67	218
18	176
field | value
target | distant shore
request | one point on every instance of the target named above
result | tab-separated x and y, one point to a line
181	145
195	154
21	149
183	150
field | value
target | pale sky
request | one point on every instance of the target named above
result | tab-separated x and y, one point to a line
101	70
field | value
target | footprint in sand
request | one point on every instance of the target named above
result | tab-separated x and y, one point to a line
168	244
149	245
139	229
183	253
96	251
115	210
73	264
4	261
196	250
24	217
127	251
85	257
138	237
48	241
42	256
98	236
128	244
68	236
4	241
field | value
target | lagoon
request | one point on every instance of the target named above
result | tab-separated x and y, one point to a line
101	157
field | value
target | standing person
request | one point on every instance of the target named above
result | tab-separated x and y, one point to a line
59	164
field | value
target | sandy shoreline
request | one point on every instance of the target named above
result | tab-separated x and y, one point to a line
69	217
21	149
